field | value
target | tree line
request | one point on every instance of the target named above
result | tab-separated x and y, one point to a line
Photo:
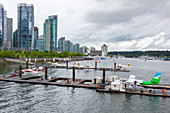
37	54
130	54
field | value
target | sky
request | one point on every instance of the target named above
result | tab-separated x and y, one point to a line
123	25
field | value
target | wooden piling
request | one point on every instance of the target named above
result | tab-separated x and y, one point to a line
73	73
103	81
95	65
20	72
26	64
41	62
46	72
114	66
67	64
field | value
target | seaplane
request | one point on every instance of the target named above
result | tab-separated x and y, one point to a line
131	82
155	80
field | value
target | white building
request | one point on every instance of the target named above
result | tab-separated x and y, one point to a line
104	49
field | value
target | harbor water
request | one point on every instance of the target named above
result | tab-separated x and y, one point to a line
19	98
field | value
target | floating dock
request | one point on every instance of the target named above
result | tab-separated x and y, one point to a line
59	81
82	68
78	83
149	93
159	86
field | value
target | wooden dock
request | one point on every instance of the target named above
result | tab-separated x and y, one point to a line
132	92
82	68
159	86
53	81
78	83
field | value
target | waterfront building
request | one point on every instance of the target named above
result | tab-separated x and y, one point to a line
61	44
50	33
9	33
35	36
5	29
104	49
84	49
1	25
25	26
15	39
92	48
40	41
76	48
68	45
95	52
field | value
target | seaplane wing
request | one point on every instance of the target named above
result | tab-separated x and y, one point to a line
133	80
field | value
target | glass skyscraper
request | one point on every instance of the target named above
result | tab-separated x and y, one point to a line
15	39
35	36
39	45
9	33
61	44
1	25
25	26
50	33
68	45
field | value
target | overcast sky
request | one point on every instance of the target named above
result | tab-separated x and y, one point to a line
120	24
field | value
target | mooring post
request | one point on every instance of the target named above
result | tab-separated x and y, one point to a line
41	62
103	76
114	66
20	68
26	64
67	64
73	73
95	65
46	72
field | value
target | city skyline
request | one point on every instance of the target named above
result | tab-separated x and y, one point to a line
121	25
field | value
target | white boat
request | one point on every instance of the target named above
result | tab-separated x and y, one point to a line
123	67
30	71
56	64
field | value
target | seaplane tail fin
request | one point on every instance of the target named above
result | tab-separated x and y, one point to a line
156	78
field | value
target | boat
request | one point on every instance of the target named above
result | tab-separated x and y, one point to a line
102	58
123	67
56	64
30	71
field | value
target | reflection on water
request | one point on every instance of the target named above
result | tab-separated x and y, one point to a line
15	97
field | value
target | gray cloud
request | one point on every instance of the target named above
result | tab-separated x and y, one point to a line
122	25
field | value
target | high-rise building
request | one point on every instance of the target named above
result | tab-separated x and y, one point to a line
61	44
35	36
15	39
92	48
1	25
76	48
50	33
104	49
84	49
5	29
68	45
9	33
25	26
39	44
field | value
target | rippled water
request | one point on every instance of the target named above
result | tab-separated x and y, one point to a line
16	97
